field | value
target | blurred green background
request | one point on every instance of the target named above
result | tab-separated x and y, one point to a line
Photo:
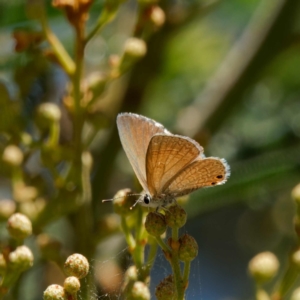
226	73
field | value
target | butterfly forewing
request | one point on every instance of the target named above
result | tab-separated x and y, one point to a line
166	156
200	173
135	132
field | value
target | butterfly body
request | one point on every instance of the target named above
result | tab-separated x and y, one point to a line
167	165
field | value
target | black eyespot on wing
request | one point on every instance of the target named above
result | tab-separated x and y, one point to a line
146	199
213	183
220	176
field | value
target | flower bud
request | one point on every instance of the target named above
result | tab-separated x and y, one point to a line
123	202
296	194
166	289
135	47
157	16
7	208
19	226
76	265
13	156
188	248
54	292
295	294
155	224
72	285
97	83
24	193
87	159
3	265
21	259
48	113
263	267
296	258
175	216
131	274
139	291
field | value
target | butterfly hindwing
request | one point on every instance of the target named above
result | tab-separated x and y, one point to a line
205	172
166	156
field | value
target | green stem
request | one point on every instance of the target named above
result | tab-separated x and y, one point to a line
62	55
128	236
186	274
54	135
162	244
151	257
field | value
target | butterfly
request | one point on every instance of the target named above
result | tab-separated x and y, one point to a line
167	165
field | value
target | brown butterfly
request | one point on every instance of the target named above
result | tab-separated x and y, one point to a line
166	165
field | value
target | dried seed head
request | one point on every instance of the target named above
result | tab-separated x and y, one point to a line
166	289
263	267
76	265
72	285
155	224
54	292
19	226
175	216
21	259
188	248
13	156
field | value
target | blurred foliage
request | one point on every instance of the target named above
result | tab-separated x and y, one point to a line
225	73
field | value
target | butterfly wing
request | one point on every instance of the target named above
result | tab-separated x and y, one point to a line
166	156
135	133
204	172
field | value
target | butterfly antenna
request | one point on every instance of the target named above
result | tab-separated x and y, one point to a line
112	199
135	203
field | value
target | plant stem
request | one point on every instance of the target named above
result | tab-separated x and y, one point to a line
186	274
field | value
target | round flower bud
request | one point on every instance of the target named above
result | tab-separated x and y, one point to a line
296	258
295	294
188	248
76	265
175	216
135	47
49	112
123	202
296	194
2	264
87	159
157	16
13	156
155	224
20	259
19	226
131	274
72	285
263	267
139	291
54	292
7	208
166	289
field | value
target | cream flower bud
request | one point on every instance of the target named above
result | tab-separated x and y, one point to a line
296	194
21	259
54	292
49	112
295	294
263	267
72	285
19	226
139	291
7	208
135	47
13	155
77	265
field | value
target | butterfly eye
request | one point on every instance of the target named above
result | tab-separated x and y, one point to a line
147	199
